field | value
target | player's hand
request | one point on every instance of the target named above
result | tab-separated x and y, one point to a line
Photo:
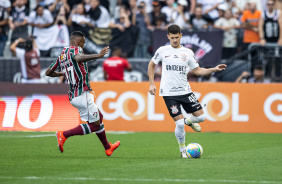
220	67
104	51
152	89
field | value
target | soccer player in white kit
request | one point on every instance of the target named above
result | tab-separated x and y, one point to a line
175	89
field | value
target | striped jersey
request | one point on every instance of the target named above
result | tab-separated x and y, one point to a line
75	73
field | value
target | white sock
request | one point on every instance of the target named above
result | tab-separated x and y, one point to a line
193	119
180	134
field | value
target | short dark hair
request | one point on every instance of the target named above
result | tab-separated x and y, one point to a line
173	29
258	67
77	33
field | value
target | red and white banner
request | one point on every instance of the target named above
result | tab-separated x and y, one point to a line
229	107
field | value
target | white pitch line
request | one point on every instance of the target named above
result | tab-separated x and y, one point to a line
40	135
140	180
46	135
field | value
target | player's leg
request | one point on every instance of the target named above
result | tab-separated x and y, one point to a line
175	112
193	106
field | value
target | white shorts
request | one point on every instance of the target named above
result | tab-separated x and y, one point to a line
88	110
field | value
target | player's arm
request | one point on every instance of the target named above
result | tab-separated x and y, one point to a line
206	71
51	69
52	73
151	73
84	58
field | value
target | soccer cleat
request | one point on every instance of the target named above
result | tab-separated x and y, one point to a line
61	140
183	154
114	146
196	127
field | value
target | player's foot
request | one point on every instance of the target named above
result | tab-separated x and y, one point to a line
196	127
183	154
61	140
114	146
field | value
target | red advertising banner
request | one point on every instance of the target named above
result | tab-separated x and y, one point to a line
37	112
229	107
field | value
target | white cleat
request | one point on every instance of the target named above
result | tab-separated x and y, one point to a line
183	154
196	127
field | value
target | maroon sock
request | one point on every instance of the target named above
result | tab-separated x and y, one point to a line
102	135
75	131
103	139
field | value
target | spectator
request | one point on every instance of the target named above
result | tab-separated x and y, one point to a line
144	36
210	7
29	58
270	25
191	6
87	5
155	13
258	76
133	10
55	7
228	24
199	21
148	5
243	4
18	20
180	16
79	17
40	18
250	21
3	24
168	9
74	3
123	21
221	10
6	4
61	22
161	22
99	14
114	66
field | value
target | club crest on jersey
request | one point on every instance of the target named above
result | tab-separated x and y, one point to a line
174	109
63	56
183	57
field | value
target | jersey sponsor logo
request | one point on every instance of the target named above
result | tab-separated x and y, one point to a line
174	109
175	56
167	56
179	68
176	89
184	57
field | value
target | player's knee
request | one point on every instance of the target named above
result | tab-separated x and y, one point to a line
180	123
201	118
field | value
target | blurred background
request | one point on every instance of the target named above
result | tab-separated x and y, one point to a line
244	34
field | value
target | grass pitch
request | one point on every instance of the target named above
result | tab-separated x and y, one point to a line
25	157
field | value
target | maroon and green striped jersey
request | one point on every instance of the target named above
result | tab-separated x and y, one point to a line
75	73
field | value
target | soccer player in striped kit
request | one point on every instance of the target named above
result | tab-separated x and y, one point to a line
72	64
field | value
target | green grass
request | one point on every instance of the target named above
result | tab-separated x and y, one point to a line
141	158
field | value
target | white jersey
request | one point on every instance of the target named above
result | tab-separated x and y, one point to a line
176	63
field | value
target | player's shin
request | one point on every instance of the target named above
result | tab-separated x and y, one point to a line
180	134
194	119
101	134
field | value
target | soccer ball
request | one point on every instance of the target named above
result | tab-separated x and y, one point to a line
194	150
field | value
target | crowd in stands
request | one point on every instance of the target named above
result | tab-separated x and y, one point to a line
50	21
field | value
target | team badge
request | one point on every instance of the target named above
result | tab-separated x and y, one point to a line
183	57
63	56
174	109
